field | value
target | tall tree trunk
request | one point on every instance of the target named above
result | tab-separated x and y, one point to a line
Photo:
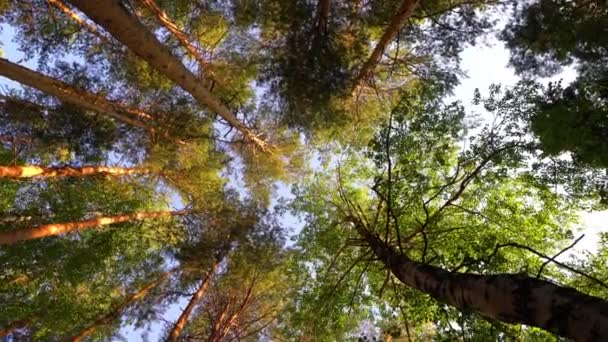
405	12
510	298
323	9
108	318
126	28
72	94
183	318
22	323
177	33
224	325
52	229
37	171
219	323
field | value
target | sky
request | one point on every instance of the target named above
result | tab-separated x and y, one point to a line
488	64
484	65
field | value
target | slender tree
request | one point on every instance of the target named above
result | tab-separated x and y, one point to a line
227	319
162	16
10	237
126	28
75	95
116	312
399	19
185	315
37	171
244	300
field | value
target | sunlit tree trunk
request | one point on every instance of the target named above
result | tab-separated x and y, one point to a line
74	95
200	292
110	317
510	298
37	171
219	323
52	229
404	13
226	323
127	29
20	324
177	33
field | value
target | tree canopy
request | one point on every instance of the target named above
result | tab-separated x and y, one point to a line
296	170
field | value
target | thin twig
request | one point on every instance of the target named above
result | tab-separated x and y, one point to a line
530	249
540	270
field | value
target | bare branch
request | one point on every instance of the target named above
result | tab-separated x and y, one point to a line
540	270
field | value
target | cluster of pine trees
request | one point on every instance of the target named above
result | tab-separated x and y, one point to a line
143	144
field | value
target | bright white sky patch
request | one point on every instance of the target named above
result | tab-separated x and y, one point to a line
486	65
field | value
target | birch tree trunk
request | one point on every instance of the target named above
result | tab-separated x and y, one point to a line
52	229
183	318
73	95
37	171
108	318
404	13
510	298
127	29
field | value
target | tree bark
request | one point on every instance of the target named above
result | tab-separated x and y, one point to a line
108	318
405	12
177	33
52	229
224	324
73	95
323	9
510	298
219	324
37	171
127	29
183	318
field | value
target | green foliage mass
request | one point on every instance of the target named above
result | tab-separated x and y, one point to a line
548	35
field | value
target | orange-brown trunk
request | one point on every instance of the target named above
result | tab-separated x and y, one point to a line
404	13
126	28
37	171
107	319
177	33
74	95
183	318
223	326
52	229
219	324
